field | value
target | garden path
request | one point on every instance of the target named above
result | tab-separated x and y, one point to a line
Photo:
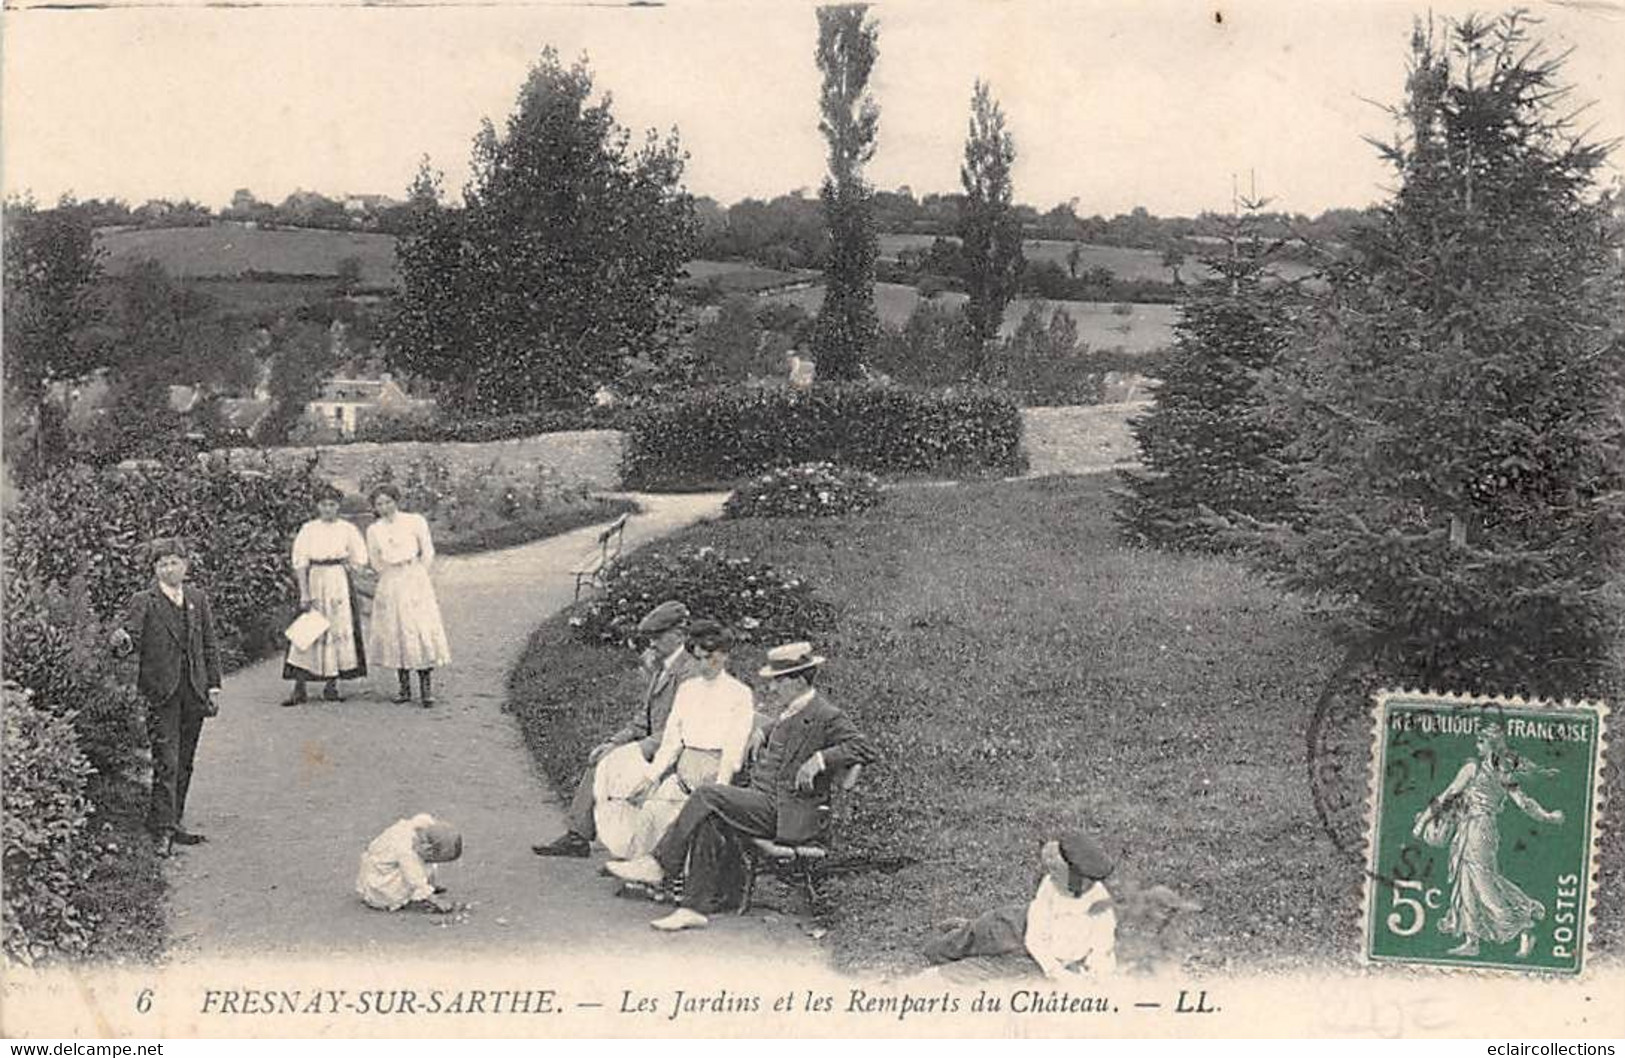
290	796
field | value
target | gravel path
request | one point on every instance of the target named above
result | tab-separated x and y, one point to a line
290	796
1080	440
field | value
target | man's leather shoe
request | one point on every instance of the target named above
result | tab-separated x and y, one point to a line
186	837
571	844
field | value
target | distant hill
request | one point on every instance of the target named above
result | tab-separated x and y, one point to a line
231	250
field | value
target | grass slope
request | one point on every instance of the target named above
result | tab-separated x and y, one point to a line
232	250
1022	672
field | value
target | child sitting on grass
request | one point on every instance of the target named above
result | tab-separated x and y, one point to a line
397	869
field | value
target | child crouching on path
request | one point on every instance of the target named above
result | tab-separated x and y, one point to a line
397	868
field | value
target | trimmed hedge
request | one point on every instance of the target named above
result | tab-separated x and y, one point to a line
758	601
721	436
816	489
237	521
48	857
496	428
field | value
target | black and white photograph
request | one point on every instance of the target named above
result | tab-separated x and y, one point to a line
696	519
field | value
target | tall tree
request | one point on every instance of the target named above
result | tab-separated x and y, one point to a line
52	266
562	263
988	228
847	325
1209	448
1459	409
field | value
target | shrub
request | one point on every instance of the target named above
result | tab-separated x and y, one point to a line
760	602
47	852
725	435
57	650
238	523
497	428
808	489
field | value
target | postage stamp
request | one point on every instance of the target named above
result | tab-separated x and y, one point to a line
1482	832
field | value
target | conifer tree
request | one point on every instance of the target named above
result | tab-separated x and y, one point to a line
1209	450
1458	410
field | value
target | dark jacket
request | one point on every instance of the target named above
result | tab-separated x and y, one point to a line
818	727
173	646
659	692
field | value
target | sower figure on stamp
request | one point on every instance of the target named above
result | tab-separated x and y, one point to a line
1484	903
172	629
788	797
625	755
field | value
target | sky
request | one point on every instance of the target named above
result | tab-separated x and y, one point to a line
1164	104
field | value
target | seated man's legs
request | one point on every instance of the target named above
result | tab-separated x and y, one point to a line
748	811
1002	931
577	840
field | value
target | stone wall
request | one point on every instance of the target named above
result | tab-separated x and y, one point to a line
586	457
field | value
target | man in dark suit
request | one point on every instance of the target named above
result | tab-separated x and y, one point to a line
666	664
172	629
789	793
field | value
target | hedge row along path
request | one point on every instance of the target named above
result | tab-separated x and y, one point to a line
290	797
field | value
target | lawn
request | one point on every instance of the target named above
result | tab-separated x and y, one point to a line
1132	328
1022	671
233	249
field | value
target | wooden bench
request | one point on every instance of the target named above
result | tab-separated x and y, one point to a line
799	864
609	549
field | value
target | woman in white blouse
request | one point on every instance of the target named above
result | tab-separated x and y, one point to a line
406	632
705	740
325	551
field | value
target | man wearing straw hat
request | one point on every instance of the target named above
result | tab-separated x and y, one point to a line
788	796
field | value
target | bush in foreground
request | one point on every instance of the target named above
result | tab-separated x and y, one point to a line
818	489
47	857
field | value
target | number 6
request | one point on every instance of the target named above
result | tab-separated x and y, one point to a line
143	1002
1418	912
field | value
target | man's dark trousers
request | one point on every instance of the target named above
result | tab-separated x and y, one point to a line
751	812
172	731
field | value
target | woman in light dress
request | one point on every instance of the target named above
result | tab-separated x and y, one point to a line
326	550
1484	904
406	632
706	738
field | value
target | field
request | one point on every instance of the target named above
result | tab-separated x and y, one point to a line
1124	262
1142	329
742	277
229	250
1022	671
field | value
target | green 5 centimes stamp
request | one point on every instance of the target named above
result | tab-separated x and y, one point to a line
1482	832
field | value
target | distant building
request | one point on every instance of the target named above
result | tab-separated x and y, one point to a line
367	203
345	403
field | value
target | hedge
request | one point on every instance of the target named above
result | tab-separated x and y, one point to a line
495	428
719	437
48	855
238	523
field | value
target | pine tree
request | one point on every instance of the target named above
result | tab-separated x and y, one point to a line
846	327
1209	451
1459	409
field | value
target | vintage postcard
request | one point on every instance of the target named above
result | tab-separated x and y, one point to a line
709	518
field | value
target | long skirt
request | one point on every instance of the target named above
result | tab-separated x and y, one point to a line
629	829
1484	903
339	654
406	630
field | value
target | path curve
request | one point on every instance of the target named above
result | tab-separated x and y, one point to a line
290	797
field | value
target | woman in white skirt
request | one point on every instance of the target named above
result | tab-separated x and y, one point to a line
325	551
406	632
